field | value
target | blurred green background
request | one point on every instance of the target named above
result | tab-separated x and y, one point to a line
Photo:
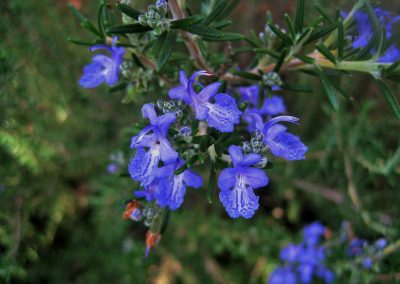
60	211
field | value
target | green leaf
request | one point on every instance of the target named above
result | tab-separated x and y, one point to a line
286	39
117	88
85	43
247	75
221	24
390	98
297	88
392	67
322	32
290	25
281	60
326	53
129	11
226	37
299	15
323	14
84	21
204	31
328	87
341	40
166	49
157	45
270	52
129	29
187	22
229	8
216	11
306	59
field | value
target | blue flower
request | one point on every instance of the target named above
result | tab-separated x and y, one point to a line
381	243
249	94
154	138
237	184
273	106
290	253
282	143
313	233
173	189
103	68
365	32
356	247
112	168
222	114
253	118
367	263
304	261
282	275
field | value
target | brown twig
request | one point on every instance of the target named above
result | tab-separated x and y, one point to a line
188	39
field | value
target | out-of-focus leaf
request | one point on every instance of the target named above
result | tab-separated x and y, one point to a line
166	49
390	98
187	22
216	11
129	29
328	87
299	15
204	31
129	11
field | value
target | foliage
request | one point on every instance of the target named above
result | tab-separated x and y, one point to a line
61	208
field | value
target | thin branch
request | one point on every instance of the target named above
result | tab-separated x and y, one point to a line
188	39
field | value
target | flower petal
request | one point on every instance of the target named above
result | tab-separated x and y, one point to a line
209	92
149	112
192	179
286	145
142	166
168	154
92	75
253	119
223	114
273	106
180	93
227	179
250	160
236	154
240	201
254	177
164	122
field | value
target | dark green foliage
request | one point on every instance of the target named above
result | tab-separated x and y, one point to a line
60	217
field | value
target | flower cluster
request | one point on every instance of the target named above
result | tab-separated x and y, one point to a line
364	253
304	262
365	32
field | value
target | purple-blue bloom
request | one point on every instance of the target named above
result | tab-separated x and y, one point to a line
273	106
112	168
381	243
253	118
249	94
237	184
305	261
103	68
173	189
154	138
282	275
313	233
365	32
222	115
290	253
280	142
356	247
